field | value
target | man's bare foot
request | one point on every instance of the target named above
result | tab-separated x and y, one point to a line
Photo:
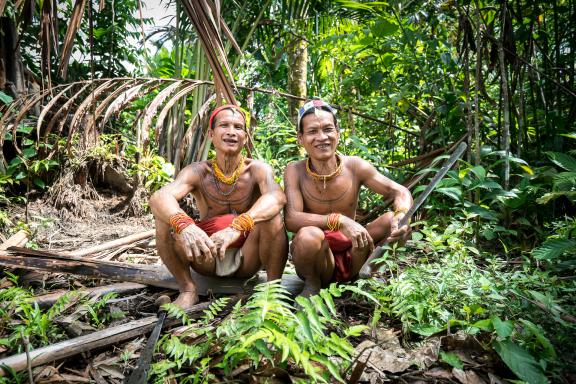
186	299
310	290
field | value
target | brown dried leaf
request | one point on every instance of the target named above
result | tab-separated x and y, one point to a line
124	99
467	377
151	108
160	121
73	26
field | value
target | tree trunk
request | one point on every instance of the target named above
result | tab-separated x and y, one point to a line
297	71
505	99
11	68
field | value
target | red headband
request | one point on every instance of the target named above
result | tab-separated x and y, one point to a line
221	108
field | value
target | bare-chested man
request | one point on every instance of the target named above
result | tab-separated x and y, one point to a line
240	228
322	193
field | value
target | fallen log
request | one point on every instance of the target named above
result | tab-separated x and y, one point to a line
120	288
94	340
18	239
154	275
113	244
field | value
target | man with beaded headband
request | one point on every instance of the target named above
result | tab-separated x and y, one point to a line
322	193
240	227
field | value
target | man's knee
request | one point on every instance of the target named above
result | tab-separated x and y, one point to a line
308	239
274	225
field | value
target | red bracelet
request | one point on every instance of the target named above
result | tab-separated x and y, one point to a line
180	221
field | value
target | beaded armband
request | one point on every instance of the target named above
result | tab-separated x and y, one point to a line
243	223
333	221
180	221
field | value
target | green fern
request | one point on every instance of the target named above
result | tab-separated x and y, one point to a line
563	160
553	248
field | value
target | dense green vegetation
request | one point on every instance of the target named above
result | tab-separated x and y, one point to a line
494	249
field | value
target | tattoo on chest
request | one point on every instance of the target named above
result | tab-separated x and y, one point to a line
238	197
311	192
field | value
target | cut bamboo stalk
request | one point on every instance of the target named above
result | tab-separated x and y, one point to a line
113	244
18	239
120	288
94	340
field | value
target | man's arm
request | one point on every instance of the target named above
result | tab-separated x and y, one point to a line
294	215
375	181
164	202
271	199
164	205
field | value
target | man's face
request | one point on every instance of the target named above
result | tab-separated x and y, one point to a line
319	135
229	132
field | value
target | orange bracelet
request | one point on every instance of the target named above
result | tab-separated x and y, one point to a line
180	221
243	223
333	221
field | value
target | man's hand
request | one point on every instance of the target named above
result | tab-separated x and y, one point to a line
223	238
359	236
400	235
196	243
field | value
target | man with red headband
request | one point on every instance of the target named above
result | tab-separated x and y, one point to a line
240	227
322	193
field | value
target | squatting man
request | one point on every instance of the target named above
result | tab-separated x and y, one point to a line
322	196
240	228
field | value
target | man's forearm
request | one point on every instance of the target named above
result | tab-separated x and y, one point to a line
267	206
163	206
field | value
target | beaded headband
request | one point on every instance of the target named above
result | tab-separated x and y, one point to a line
223	107
316	103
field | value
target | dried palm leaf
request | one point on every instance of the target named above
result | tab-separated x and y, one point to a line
150	111
2	6
48	108
160	121
81	110
73	26
124	84
125	98
63	109
202	18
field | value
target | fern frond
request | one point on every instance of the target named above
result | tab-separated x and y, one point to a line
215	308
552	248
175	311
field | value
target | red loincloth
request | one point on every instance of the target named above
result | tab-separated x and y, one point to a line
340	246
217	223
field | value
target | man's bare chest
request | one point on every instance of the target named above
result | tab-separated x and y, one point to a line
216	198
339	195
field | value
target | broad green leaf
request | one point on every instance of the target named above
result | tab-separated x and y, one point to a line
545	199
6	99
523	364
454	193
563	160
384	28
452	359
503	328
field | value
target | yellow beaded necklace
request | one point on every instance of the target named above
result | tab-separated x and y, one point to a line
228	179
328	177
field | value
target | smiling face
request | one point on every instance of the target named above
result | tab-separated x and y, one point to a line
229	132
319	135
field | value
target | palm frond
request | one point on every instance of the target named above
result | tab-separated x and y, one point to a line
201	15
552	248
73	26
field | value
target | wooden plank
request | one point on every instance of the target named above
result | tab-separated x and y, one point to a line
18	239
154	275
94	340
114	243
120	288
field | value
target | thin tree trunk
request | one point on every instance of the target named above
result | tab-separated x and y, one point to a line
297	71
478	86
505	99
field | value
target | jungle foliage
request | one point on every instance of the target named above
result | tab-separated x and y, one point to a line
493	253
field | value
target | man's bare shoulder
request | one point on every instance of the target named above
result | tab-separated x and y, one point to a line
297	166
194	171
